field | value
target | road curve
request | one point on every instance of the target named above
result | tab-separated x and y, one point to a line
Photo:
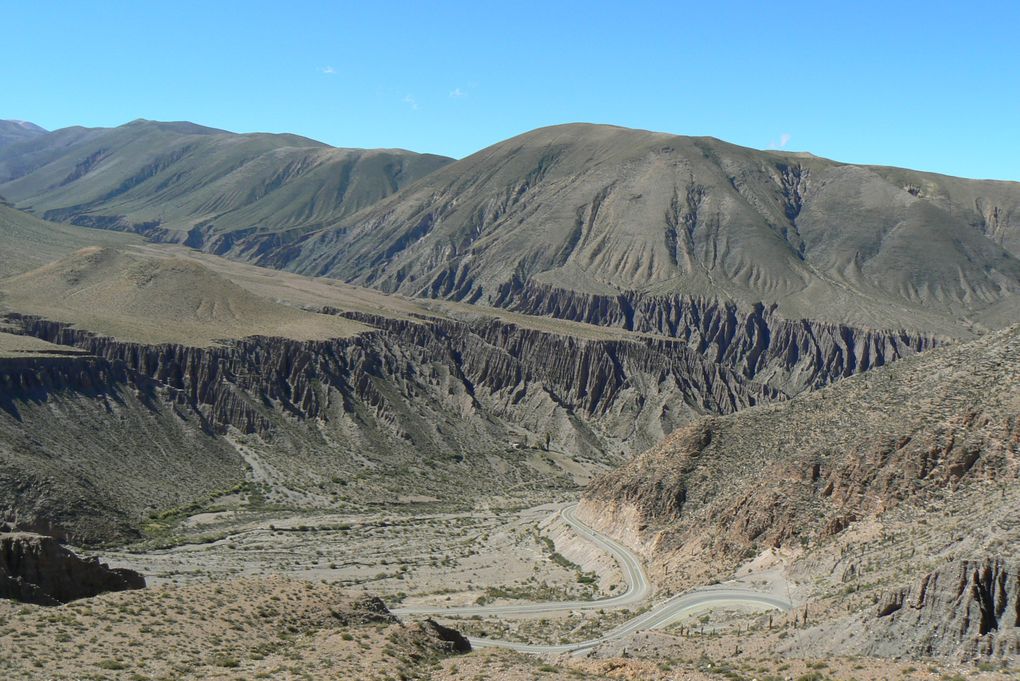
638	590
658	617
638	586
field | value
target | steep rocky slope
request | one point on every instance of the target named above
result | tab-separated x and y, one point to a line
36	569
936	435
186	182
969	607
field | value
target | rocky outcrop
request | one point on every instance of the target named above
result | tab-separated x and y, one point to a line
965	609
364	610
449	639
36	569
426	634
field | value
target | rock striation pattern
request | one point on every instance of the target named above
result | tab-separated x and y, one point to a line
963	609
232	384
722	363
791	355
406	392
37	569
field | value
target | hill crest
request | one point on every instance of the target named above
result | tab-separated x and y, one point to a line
157	300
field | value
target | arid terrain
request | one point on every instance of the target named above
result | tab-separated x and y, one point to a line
611	404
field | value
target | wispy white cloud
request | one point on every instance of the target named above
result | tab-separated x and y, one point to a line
784	139
411	102
457	93
328	70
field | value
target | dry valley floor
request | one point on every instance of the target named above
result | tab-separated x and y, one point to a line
219	606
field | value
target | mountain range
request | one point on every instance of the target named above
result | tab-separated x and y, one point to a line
182	180
574	213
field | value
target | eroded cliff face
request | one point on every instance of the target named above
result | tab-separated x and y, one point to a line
496	365
790	355
411	404
965	609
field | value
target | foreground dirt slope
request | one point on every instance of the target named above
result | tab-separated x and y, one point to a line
241	629
921	456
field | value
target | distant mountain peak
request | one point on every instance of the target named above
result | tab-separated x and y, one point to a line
25	124
186	127
12	131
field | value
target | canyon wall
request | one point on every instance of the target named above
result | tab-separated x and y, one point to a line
412	407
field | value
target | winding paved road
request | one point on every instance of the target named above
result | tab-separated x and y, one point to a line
660	616
638	586
638	590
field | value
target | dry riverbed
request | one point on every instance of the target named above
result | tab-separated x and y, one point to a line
443	559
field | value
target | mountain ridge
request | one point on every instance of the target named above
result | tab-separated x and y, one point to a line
582	208
606	210
12	131
171	178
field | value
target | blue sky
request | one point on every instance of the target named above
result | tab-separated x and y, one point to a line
933	85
